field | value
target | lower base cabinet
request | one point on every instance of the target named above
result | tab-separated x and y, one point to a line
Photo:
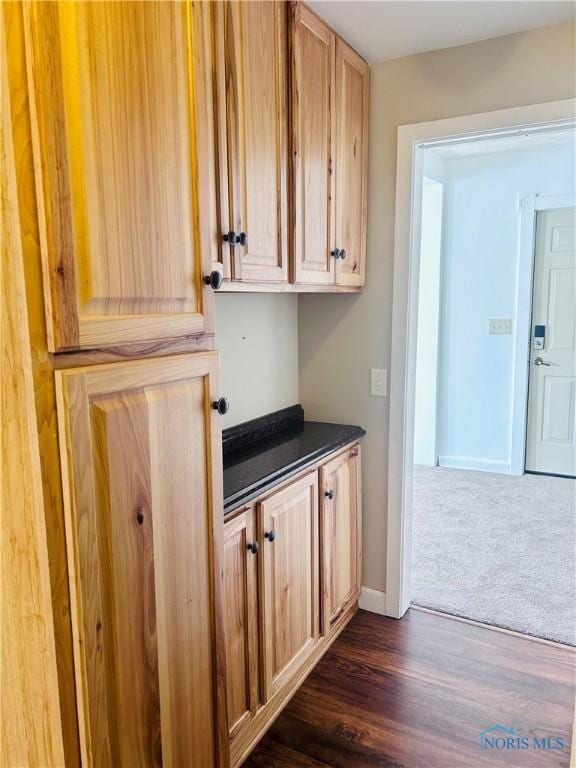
340	494
141	459
292	567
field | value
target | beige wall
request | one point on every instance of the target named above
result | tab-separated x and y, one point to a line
257	335
342	337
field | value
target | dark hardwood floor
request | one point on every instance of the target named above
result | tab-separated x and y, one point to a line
419	692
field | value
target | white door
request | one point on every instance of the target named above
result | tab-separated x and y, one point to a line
550	443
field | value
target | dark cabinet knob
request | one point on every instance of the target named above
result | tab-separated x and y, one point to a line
221	405
335	253
253	547
214	279
234	239
329	494
270	535
342	254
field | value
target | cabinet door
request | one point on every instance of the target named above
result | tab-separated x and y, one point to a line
351	163
122	132
313	135
241	618
251	72
141	465
290	581
341	533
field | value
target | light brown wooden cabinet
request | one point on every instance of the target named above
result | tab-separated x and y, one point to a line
251	96
340	498
292	567
121	107
329	133
150	177
290	581
241	619
313	63
141	459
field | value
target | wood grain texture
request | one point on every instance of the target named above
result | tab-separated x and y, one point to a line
417	692
233	286
289	581
141	462
241	619
252	71
44	391
341	522
246	739
123	153
351	163
313	135
31	728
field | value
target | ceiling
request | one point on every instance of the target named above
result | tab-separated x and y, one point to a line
388	29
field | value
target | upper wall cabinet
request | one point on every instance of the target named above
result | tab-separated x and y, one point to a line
329	109
251	73
313	139
121	105
351	164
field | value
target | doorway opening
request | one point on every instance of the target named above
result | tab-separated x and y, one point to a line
489	428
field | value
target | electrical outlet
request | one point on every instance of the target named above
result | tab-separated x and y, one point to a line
378	382
500	326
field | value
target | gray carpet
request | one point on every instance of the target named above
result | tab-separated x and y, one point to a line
497	549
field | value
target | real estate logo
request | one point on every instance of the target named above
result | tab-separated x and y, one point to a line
499	737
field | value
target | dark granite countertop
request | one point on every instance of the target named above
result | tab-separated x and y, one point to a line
261	453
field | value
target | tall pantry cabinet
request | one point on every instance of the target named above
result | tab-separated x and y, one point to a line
120	101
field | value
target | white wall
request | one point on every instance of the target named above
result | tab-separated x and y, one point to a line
480	262
426	391
257	336
342	337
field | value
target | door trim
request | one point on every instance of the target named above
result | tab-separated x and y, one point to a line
411	138
528	205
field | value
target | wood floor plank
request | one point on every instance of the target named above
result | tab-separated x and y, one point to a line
417	693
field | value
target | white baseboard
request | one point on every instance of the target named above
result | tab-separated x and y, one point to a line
482	465
372	600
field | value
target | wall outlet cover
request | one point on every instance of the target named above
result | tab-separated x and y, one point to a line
502	325
378	382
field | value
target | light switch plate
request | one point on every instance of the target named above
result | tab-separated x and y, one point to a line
500	326
378	382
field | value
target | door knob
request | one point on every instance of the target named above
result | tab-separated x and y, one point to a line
329	494
221	405
335	253
539	361
253	547
270	535
242	238
342	254
214	279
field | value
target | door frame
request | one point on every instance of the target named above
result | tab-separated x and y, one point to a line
534	117
529	205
